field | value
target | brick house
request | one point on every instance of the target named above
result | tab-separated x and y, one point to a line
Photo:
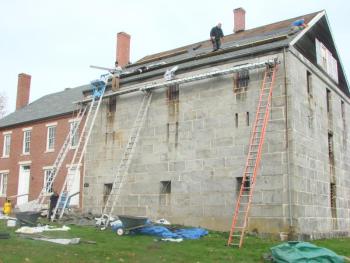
30	139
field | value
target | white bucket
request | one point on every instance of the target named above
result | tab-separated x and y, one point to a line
283	236
11	223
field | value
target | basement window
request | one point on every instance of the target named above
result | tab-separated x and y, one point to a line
236	120
165	191
112	103
239	181
247	118
107	189
165	187
309	83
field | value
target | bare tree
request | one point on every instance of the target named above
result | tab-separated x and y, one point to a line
3	100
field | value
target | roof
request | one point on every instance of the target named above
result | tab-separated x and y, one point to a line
48	106
245	36
245	43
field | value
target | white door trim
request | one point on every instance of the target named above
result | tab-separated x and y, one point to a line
23	184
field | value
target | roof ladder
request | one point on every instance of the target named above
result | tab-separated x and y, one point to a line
244	199
98	92
124	164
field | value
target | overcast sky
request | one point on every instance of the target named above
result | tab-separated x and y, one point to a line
56	41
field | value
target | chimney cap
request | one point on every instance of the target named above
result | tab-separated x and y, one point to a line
24	74
239	9
123	33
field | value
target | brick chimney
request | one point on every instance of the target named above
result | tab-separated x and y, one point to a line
23	90
123	48
239	20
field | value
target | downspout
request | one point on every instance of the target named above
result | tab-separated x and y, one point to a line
287	141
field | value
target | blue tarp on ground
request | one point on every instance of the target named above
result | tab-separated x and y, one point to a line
163	232
300	252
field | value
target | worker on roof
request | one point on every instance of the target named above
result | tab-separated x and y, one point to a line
216	36
115	76
298	25
117	69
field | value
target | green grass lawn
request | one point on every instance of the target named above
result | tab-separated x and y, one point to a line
112	248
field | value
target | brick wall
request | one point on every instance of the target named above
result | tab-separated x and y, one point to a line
38	156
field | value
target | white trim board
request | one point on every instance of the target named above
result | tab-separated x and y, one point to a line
24	162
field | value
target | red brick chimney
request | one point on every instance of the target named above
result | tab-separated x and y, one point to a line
123	48
239	20
23	90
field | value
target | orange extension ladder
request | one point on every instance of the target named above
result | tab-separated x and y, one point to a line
244	199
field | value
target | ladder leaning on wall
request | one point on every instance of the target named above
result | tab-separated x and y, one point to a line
124	164
60	157
244	199
98	92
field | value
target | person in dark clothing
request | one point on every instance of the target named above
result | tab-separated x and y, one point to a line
53	203
216	36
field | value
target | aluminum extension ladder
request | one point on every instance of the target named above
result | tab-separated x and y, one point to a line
124	164
99	89
61	157
244	199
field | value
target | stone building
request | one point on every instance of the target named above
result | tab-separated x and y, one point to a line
188	163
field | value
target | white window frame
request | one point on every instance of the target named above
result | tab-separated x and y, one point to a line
3	182
27	135
7	145
48	176
73	141
51	138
